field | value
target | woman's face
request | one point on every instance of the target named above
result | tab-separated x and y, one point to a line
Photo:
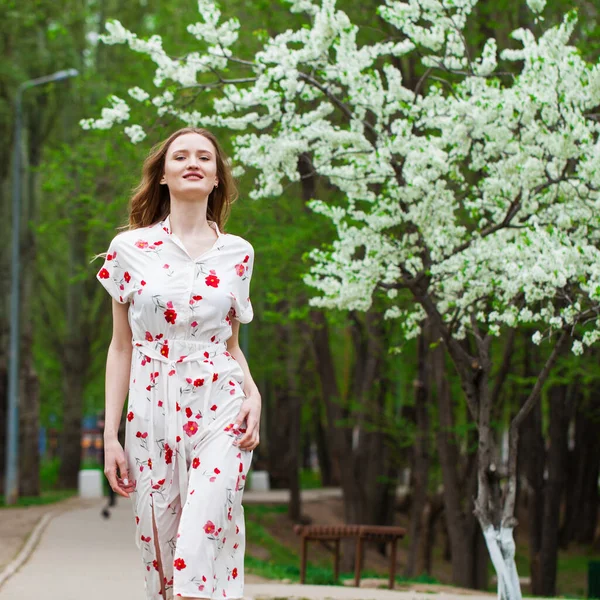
190	166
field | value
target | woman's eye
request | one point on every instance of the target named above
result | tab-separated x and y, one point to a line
178	157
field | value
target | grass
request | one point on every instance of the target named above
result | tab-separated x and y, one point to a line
46	497
310	480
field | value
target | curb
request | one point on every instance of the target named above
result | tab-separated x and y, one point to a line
27	549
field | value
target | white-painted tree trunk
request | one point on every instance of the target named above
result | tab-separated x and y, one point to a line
501	546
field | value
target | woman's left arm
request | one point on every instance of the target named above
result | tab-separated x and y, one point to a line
251	407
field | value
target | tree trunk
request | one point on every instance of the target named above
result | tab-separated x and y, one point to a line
419	530
294	372
544	582
29	427
581	512
29	408
533	442
76	360
329	478
468	560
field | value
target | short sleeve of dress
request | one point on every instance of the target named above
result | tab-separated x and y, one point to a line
114	274
242	306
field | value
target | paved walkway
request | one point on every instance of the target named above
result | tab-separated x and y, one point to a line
80	556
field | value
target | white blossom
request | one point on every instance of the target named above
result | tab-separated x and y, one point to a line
536	6
489	192
136	133
577	348
138	94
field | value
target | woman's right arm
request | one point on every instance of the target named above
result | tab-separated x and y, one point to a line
118	366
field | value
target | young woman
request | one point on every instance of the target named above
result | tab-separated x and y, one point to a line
180	289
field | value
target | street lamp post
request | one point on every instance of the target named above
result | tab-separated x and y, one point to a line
11	483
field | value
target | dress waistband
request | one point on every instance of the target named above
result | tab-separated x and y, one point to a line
180	351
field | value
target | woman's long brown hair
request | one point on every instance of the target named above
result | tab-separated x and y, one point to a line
151	202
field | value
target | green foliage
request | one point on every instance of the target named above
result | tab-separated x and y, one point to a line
310	479
49	473
47	497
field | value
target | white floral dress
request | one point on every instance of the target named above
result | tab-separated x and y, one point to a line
185	391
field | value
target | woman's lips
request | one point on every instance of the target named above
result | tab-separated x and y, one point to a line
193	176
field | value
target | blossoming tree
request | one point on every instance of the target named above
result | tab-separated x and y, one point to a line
475	193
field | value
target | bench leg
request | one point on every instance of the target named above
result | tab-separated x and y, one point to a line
392	563
303	560
358	561
336	564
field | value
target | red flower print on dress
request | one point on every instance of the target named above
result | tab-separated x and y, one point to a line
168	454
240	269
149	337
141	244
198	382
165	350
188	412
146	539
170	313
179	564
155	564
149	463
191	427
212	280
103	273
246	258
142	437
127	276
234	573
215	377
213	407
209	527
158	484
196	463
130	416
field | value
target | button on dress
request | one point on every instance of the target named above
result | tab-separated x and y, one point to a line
185	391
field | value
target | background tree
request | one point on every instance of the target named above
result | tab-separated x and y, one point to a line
459	192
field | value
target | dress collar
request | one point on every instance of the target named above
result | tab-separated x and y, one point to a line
166	225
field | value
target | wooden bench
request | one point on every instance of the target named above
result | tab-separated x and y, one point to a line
335	533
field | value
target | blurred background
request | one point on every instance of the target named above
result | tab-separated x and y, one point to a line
340	411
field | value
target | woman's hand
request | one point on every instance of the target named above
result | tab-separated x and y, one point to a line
114	458
249	412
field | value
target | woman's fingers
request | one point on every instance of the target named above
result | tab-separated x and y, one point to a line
123	469
250	439
111	475
115	459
